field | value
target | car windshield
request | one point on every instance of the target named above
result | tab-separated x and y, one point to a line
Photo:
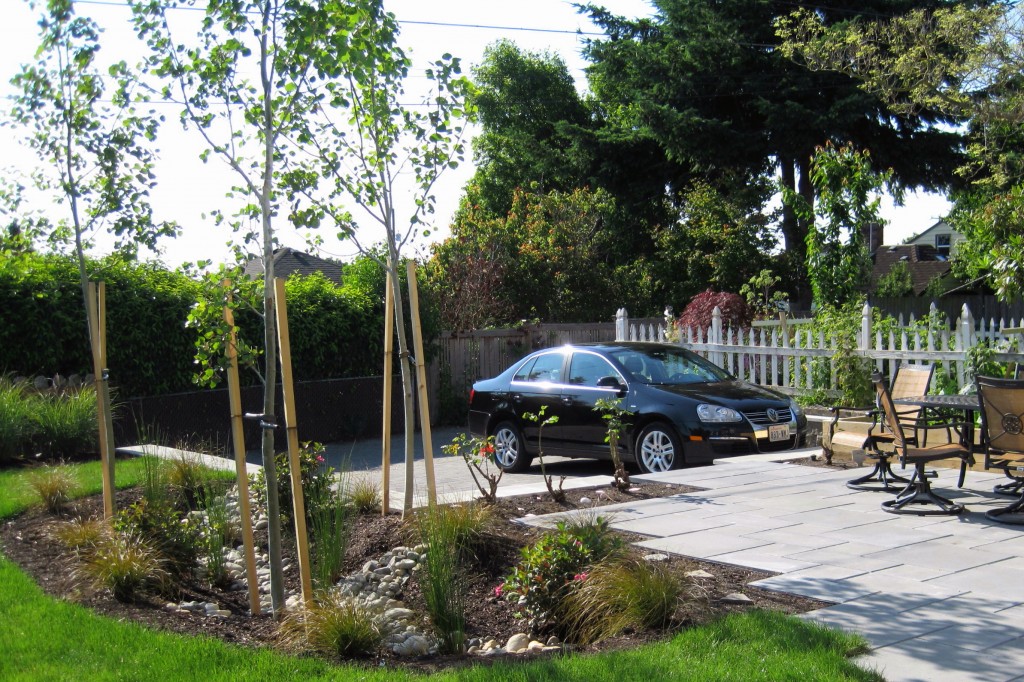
669	365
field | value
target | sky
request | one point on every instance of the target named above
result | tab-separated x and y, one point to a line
189	189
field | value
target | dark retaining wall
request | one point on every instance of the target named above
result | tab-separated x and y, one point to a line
329	410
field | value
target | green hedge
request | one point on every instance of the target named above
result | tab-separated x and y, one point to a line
336	332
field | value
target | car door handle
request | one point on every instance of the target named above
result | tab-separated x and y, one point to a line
567	400
516	398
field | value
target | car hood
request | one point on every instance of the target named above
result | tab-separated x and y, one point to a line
721	392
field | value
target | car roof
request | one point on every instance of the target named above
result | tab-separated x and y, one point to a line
618	345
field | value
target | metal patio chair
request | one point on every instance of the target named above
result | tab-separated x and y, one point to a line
1002	413
909	380
918	492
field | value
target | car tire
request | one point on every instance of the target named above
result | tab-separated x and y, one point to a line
658	449
510	449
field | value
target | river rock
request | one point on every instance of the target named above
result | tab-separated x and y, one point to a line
517	643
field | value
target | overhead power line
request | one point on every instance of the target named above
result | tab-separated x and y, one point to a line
411	22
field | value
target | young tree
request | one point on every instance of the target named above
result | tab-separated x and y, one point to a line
373	153
244	86
94	144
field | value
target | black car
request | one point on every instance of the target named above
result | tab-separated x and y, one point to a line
685	410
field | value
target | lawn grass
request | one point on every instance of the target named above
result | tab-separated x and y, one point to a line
47	639
16	495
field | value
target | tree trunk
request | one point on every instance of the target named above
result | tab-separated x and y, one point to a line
269	407
270	326
408	380
794	231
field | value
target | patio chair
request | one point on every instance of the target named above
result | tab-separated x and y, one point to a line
1002	413
909	380
918	492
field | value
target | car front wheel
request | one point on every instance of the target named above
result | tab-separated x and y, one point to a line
509	450
658	449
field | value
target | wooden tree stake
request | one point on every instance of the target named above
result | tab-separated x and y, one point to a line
421	381
389	350
292	429
238	440
96	295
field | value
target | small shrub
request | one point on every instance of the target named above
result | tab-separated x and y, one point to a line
187	478
443	530
65	423
541	421
333	625
555	565
364	495
329	530
156	486
82	535
178	539
614	415
124	563
55	486
315	475
214	534
15	421
698	313
478	454
617	595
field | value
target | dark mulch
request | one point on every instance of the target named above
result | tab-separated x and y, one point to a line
28	541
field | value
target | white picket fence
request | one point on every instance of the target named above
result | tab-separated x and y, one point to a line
781	355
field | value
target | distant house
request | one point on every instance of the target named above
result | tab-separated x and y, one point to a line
288	261
941	236
924	260
924	264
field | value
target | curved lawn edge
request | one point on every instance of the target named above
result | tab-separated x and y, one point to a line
47	639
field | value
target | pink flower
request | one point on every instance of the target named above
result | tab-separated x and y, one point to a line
499	590
319	459
580	577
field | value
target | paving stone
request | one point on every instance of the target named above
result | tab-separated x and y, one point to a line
701	544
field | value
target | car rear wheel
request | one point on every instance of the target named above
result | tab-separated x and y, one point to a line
509	449
658	449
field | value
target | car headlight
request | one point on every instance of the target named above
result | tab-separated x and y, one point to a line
717	413
796	409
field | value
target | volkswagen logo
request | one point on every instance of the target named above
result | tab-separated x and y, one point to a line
773	415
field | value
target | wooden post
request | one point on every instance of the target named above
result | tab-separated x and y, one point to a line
389	350
292	429
238	440
96	300
421	381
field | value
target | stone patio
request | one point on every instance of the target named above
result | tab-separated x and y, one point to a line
939	598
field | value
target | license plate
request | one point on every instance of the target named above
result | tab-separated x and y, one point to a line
778	432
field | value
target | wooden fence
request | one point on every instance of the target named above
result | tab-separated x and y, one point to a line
784	356
465	357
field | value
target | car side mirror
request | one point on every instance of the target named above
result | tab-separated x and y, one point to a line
610	382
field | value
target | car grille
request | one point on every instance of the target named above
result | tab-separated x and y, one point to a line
760	418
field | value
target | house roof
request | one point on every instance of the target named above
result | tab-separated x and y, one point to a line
922	260
288	261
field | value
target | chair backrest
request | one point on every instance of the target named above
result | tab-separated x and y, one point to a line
911	381
885	403
1002	413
